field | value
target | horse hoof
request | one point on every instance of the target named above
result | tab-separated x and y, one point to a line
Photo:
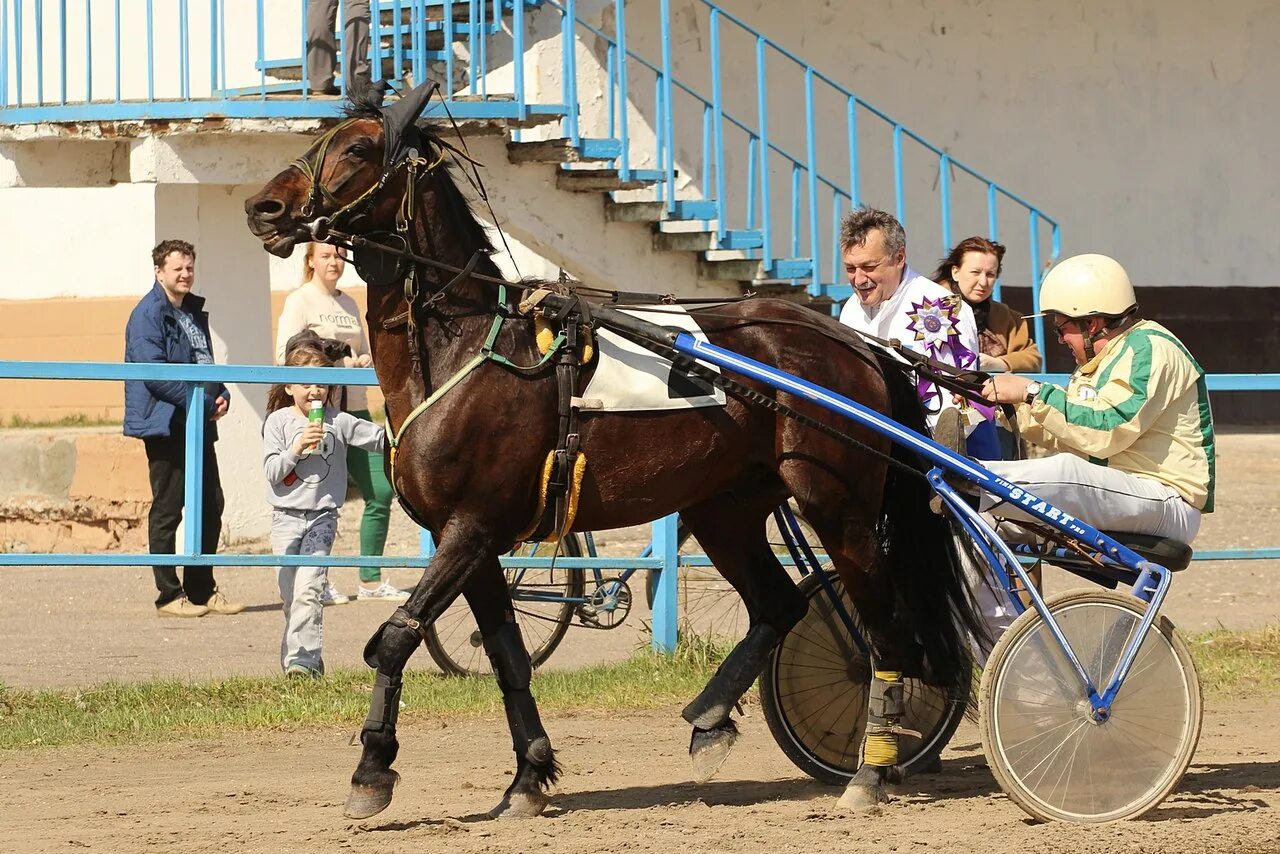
862	798
365	801
709	749
520	805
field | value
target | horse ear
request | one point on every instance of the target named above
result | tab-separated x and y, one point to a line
399	117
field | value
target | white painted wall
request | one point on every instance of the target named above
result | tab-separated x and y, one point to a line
1148	129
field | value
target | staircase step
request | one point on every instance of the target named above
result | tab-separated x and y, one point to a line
606	180
634	211
733	270
691	209
783	269
563	151
696	209
702	241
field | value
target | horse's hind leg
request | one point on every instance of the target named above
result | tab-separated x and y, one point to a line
536	766
461	552
732	533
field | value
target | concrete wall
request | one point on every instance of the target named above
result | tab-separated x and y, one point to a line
1147	129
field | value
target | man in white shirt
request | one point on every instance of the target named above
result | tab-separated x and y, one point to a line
892	301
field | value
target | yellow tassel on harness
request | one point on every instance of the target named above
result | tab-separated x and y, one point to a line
571	510
546	336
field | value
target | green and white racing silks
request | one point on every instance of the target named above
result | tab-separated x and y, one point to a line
1140	406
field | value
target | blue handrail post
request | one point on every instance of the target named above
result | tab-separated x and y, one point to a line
717	126
666	547
4	53
1033	224
944	188
569	58
993	230
426	543
193	483
151	47
304	40
62	51
667	111
762	110
184	53
811	167
262	50
517	58
375	44
213	48
624	107
855	198
899	200
88	52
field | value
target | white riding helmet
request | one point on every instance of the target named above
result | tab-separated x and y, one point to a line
1087	284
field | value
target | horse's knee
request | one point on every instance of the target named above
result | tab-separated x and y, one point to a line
393	642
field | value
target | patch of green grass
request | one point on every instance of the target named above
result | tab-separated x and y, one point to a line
79	419
117	713
1244	662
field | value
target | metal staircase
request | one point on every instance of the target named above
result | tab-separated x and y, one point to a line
727	145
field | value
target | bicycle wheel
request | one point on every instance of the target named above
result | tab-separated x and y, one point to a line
1041	742
707	604
814	694
543	605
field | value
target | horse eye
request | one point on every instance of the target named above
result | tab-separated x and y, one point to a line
358	149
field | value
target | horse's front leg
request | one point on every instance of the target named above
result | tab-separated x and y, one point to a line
536	766
461	552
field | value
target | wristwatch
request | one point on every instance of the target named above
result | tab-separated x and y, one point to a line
1033	389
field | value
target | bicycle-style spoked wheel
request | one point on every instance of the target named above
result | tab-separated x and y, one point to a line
544	605
814	695
1041	741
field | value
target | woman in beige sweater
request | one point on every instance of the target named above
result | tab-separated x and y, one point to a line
1004	342
320	305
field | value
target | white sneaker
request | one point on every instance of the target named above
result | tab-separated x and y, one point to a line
384	592
331	596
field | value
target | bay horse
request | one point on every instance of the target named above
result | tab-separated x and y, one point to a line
468	467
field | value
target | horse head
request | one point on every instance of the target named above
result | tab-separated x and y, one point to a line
355	176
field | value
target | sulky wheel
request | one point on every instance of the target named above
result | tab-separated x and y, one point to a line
1043	745
814	695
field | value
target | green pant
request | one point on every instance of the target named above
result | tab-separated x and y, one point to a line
366	470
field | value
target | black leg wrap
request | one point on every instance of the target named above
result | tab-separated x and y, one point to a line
384	709
509	659
710	709
400	619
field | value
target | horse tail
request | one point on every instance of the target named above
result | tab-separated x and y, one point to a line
917	547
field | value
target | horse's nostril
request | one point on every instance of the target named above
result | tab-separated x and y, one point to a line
268	208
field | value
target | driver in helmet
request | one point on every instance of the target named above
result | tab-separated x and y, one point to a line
1133	429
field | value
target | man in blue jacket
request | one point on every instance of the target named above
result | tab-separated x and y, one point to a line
169	325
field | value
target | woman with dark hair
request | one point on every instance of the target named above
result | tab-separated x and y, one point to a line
1004	342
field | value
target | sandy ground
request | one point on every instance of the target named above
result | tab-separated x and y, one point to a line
106	627
626	788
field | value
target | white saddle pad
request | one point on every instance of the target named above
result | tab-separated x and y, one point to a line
629	378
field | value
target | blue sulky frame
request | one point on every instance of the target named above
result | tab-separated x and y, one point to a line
1152	580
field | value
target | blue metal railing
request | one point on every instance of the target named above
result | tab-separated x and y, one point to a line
663	556
717	132
664	550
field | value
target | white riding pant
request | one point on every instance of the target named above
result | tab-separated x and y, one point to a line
1105	498
306	532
